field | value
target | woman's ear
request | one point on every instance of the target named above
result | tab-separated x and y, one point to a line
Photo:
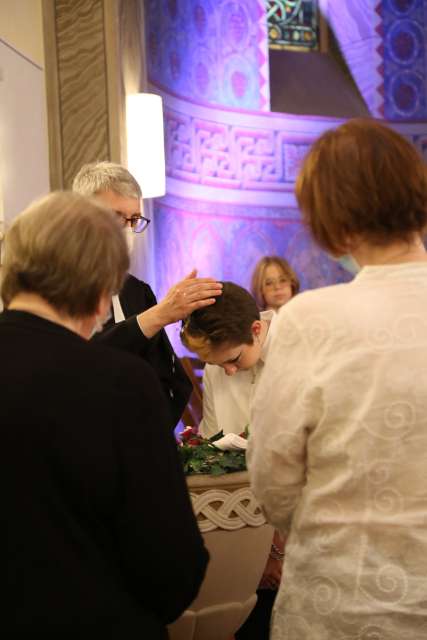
103	306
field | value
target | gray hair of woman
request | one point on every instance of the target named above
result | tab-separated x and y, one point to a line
68	249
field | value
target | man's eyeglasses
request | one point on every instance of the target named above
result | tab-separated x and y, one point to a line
137	222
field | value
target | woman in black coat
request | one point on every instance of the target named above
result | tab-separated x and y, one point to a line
100	533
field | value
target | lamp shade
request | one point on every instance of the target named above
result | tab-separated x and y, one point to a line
145	142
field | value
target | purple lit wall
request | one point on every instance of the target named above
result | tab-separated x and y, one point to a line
357	26
230	195
384	45
210	50
405	63
231	164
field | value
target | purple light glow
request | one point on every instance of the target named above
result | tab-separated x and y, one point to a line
231	164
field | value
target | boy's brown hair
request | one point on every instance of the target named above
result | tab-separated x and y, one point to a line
226	322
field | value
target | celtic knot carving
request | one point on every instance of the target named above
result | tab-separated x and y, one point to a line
228	510
218	153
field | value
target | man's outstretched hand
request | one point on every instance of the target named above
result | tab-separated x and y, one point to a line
183	298
187	295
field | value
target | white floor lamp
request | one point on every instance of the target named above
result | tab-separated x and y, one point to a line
146	162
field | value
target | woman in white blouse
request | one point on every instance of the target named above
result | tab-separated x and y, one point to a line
338	451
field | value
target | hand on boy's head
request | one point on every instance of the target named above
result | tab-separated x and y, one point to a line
189	294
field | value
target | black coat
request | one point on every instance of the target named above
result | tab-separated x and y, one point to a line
100	533
135	297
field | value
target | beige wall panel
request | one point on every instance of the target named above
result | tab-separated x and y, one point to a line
21	27
82	84
24	164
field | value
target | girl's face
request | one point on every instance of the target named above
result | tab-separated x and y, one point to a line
276	288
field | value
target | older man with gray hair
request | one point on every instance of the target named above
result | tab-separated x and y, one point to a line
139	320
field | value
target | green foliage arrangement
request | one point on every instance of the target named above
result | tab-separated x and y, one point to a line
200	455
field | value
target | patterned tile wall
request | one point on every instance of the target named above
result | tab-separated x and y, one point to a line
210	50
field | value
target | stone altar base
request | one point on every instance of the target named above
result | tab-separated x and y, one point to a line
238	539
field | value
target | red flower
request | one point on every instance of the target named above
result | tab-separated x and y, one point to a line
194	442
187	434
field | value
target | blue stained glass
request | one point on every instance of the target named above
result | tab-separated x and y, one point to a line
293	24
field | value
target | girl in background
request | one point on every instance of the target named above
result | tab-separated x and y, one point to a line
273	283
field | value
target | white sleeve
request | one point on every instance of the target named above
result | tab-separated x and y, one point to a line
208	426
285	408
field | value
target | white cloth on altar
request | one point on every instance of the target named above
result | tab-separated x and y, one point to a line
338	457
226	399
232	442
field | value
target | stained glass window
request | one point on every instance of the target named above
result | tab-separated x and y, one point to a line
293	24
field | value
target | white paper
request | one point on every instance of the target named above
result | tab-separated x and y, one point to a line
231	442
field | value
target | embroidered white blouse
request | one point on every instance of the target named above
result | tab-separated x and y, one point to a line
338	457
226	399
